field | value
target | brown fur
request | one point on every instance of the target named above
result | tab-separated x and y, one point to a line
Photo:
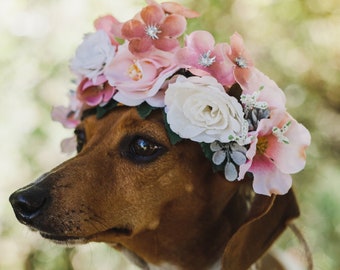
173	210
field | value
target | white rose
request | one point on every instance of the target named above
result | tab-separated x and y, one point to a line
199	109
92	55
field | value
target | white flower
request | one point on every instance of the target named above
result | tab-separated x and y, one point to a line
199	109
93	55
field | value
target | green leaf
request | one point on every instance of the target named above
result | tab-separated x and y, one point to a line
102	111
173	137
145	109
206	150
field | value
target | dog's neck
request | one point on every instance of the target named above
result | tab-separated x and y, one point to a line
132	257
183	240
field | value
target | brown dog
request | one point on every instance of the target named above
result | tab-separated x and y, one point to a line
159	203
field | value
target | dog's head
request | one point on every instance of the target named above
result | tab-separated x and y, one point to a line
126	172
129	185
178	147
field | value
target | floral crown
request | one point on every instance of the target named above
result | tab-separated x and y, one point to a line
210	93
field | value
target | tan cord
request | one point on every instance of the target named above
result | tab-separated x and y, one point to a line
308	253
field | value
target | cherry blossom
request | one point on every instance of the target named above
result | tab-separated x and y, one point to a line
153	27
111	26
175	8
278	150
243	64
203	57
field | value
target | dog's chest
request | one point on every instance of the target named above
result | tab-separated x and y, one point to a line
167	266
164	266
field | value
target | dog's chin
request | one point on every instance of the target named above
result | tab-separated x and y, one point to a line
112	235
77	240
64	240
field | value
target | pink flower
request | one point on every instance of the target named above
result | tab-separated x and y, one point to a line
243	64
175	8
154	28
69	116
111	26
139	79
277	151
265	90
69	145
202	57
96	93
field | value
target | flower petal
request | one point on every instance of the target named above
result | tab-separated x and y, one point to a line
173	26
268	179
200	41
175	8
166	44
237	46
110	25
133	29
152	14
230	172
238	157
270	92
140	45
218	157
291	158
242	75
61	114
69	145
186	57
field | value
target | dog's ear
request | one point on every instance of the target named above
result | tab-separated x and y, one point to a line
267	219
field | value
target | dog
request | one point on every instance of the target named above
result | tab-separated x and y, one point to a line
160	204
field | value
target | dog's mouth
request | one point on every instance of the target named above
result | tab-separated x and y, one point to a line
63	239
123	231
69	240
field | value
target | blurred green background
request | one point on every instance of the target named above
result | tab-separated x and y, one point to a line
295	42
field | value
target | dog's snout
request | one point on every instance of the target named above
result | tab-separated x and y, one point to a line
28	203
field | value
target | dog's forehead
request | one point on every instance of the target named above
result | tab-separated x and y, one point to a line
124	120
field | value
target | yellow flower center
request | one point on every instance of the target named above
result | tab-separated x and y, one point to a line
262	145
135	72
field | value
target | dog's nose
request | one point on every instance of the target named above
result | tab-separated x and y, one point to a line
28	202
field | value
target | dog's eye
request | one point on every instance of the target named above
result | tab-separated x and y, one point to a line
141	150
81	138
